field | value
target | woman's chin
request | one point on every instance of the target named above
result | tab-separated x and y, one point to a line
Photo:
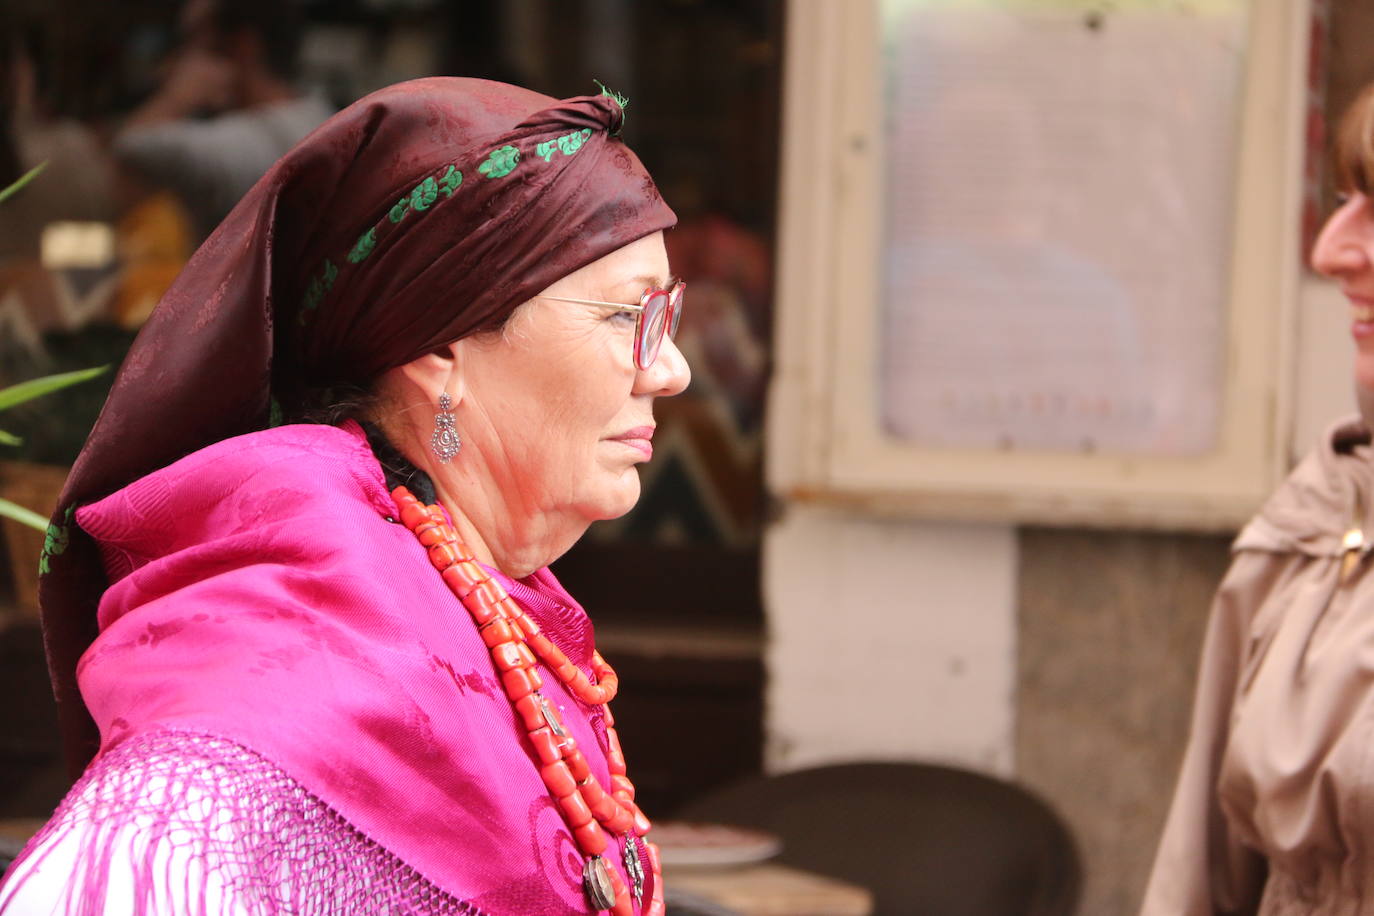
621	496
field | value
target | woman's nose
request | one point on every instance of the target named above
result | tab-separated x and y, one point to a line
1344	244
669	374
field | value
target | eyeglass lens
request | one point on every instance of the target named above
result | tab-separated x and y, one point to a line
653	328
676	302
657	308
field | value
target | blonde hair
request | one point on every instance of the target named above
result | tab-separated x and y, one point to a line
1353	148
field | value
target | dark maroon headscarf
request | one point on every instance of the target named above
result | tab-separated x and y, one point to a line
421	214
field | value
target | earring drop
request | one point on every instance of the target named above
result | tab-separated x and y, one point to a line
445	442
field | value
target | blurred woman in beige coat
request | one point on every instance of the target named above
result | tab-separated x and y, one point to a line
1274	811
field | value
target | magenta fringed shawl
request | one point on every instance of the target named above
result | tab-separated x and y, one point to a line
260	594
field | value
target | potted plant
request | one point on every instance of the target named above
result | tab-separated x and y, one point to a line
18	394
26	487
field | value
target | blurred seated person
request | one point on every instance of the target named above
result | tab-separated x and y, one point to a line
226	110
78	182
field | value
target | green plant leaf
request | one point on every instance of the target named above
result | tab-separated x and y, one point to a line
22	515
34	388
9	438
24	179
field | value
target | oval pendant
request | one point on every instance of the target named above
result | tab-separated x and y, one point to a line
596	883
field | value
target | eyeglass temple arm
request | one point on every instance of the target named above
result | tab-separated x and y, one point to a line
618	306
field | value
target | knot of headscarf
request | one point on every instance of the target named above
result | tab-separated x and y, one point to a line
420	214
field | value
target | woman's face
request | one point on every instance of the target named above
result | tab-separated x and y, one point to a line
554	416
1345	252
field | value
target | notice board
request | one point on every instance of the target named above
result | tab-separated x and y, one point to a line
1040	255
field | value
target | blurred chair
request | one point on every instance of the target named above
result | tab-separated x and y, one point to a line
925	840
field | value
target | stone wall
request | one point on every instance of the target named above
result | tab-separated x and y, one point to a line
1110	627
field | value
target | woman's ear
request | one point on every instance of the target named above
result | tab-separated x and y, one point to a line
440	371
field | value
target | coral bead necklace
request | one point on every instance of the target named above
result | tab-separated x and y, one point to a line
517	646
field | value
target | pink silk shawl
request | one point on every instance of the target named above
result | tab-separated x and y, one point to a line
261	593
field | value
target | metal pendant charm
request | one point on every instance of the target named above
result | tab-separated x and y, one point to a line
550	716
445	442
634	867
596	883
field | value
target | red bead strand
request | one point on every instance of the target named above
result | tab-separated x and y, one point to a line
517	647
657	906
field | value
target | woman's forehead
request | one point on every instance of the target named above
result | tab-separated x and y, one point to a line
640	264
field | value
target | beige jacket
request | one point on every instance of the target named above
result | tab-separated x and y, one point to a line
1274	810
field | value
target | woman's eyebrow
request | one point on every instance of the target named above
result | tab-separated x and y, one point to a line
643	282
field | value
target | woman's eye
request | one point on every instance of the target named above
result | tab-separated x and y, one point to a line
623	317
1342	198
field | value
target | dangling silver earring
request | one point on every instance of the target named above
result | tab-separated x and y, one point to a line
445	441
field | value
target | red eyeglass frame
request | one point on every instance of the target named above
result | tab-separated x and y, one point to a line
670	296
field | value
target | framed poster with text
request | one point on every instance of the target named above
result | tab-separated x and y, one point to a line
1038	257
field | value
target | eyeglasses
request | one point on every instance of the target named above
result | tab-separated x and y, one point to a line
657	309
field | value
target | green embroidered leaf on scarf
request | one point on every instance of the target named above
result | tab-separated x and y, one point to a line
55	541
567	144
571	143
363	247
450	182
424	194
501	162
317	288
399	211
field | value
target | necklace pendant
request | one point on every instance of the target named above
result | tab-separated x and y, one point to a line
596	883
555	725
634	867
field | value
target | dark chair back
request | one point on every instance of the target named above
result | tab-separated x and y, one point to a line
924	839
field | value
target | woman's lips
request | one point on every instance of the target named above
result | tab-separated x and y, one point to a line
1361	315
638	438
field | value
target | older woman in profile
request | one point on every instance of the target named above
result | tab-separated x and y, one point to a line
321	666
1271	812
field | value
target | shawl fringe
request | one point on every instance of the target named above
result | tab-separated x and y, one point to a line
181	822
